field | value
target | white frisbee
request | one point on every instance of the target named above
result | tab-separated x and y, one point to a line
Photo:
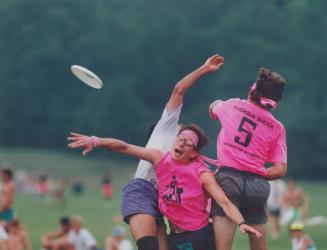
87	76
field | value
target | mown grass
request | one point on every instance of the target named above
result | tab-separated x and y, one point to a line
100	217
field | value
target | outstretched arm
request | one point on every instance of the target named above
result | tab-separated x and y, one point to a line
216	192
47	238
88	143
212	64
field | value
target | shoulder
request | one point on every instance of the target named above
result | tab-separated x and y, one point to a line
84	231
163	157
217	107
279	126
23	233
231	102
169	120
226	102
200	168
168	114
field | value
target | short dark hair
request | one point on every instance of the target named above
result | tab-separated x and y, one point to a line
64	221
269	84
203	138
7	172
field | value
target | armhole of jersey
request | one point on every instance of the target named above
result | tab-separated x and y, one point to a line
164	156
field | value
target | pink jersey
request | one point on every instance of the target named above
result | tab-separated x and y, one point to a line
250	136
181	196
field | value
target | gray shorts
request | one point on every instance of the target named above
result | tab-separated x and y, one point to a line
249	193
140	197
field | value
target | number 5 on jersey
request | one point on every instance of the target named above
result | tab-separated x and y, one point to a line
245	131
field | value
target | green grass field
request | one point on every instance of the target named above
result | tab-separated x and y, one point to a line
99	217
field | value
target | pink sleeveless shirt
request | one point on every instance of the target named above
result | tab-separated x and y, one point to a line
181	196
250	136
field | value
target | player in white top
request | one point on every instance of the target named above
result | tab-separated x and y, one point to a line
140	199
80	237
118	241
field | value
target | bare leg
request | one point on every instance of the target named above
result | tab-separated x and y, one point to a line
275	228
224	230
258	243
142	225
162	238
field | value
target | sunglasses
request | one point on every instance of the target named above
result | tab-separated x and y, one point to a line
185	141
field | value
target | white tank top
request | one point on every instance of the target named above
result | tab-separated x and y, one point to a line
162	138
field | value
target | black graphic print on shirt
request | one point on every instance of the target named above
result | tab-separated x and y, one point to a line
172	192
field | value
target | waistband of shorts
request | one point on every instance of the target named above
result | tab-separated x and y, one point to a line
142	182
234	170
177	230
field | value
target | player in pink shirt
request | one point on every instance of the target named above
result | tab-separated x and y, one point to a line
139	203
249	138
184	183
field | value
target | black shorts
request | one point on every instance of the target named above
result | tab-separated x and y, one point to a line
202	239
249	192
275	212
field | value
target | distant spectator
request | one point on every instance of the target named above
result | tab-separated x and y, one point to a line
77	187
300	241
18	237
275	199
79	236
295	204
58	193
118	241
43	186
106	187
58	239
7	195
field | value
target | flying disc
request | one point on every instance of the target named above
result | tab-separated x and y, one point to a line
87	76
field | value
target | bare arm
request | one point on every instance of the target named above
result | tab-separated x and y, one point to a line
212	64
216	192
48	237
25	241
276	171
87	143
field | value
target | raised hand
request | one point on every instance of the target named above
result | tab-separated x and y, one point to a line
81	141
248	229
213	63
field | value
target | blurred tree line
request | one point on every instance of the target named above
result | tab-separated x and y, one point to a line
140	49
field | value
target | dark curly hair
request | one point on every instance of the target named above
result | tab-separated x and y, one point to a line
269	84
203	138
7	172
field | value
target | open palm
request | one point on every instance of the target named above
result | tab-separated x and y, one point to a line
214	63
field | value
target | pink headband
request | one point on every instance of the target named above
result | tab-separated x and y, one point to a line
191	135
195	139
264	101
